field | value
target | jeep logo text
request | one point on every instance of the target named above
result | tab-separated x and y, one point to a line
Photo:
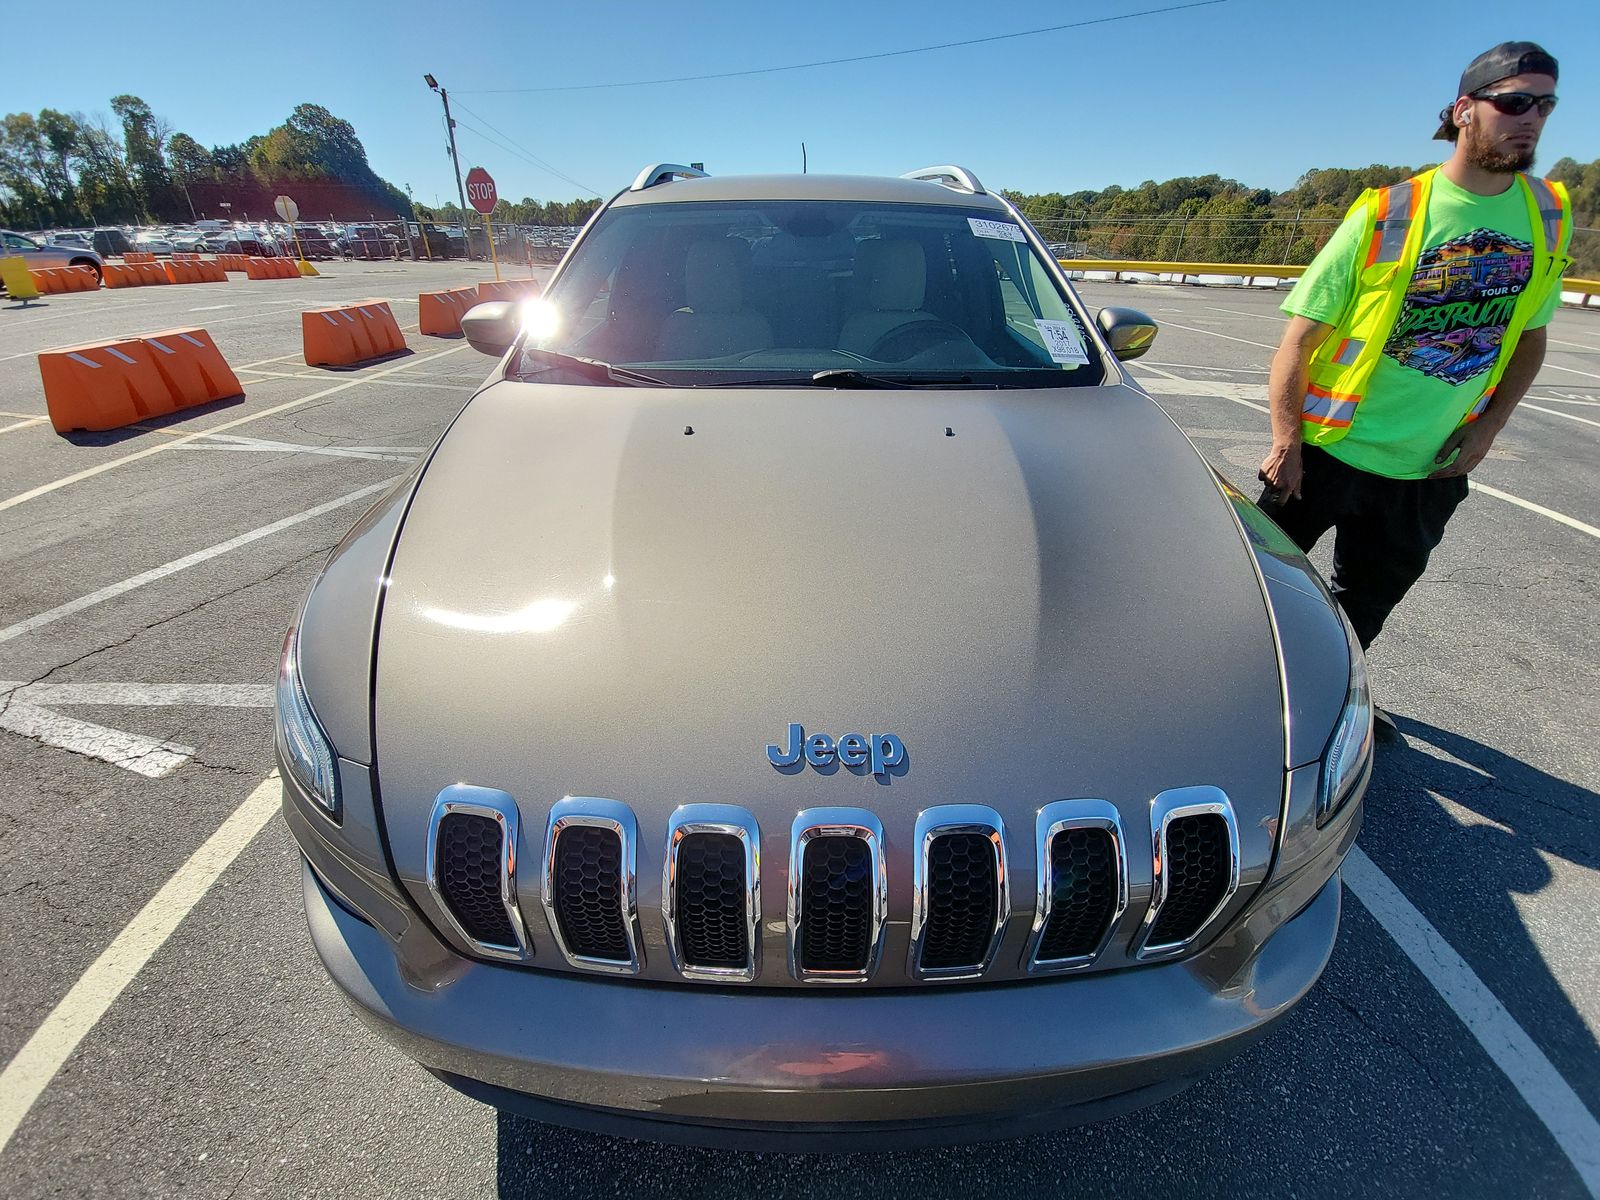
881	750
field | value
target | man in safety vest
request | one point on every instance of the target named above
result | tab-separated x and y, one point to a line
1413	335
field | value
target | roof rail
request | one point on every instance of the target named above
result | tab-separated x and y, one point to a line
958	178
664	173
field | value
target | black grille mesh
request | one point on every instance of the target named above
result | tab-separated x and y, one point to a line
963	901
1083	893
468	862
710	902
836	904
1197	876
588	892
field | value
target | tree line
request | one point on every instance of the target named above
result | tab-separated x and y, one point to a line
1212	219
67	169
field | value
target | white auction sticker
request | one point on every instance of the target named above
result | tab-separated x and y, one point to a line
1062	340
1003	230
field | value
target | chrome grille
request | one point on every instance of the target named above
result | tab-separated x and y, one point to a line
1083	886
471	868
838	895
711	892
589	883
962	895
1195	844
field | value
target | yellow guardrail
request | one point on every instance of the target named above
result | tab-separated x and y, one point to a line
1587	288
1247	270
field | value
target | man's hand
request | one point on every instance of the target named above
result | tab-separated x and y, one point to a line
1473	441
1283	470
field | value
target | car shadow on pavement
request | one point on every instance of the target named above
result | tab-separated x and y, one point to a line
1465	831
349	368
1372	1079
113	437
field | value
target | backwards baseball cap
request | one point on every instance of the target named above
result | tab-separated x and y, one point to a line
1502	62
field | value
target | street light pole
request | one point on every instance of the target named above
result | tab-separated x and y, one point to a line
450	127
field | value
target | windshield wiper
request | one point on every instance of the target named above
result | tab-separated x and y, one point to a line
849	377
594	368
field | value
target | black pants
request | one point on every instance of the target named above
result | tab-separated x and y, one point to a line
1385	530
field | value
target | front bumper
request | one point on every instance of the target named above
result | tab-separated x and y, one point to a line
801	1070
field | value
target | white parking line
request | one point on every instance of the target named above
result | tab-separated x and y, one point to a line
111	591
1521	1061
43	1054
1230	391
28	423
1226	336
1522	404
90	472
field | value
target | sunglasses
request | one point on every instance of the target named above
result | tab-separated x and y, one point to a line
1514	104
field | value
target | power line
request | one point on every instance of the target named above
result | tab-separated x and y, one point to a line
833	62
516	152
520	151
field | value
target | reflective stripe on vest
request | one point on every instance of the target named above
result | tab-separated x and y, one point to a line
1349	350
1333	410
1396	207
1550	211
1477	409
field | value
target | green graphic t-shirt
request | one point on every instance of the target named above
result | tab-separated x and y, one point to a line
1476	259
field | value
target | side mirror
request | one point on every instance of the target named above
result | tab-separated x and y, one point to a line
492	327
1128	331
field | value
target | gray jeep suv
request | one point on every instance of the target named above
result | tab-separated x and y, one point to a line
811	696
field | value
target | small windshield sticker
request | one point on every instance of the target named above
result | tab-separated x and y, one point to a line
1003	230
1062	340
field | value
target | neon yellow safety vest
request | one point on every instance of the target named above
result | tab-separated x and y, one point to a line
1340	370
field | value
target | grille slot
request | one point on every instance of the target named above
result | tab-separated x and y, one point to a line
710	902
470	847
1083	884
838	895
1197	869
589	885
472	843
1195	844
1082	893
588	873
962	897
837	902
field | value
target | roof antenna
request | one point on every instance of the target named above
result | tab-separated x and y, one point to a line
802	158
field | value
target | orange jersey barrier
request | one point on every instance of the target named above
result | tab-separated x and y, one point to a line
138	256
272	268
192	366
185	255
233	262
439	313
508	289
64	279
349	333
111	384
116	275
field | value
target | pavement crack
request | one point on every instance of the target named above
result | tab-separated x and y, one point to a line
7	698
1393	1043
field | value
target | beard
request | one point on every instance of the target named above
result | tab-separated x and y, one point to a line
1487	157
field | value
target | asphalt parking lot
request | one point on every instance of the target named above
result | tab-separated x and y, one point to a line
150	572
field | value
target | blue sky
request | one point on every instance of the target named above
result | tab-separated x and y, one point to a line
1259	90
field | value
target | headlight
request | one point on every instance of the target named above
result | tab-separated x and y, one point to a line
303	746
1351	744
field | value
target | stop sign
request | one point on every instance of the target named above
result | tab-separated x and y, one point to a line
480	190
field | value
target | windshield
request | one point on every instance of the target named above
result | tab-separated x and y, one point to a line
778	291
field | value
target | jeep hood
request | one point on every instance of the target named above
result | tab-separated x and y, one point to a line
631	592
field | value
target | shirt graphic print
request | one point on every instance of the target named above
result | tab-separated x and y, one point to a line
1458	304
